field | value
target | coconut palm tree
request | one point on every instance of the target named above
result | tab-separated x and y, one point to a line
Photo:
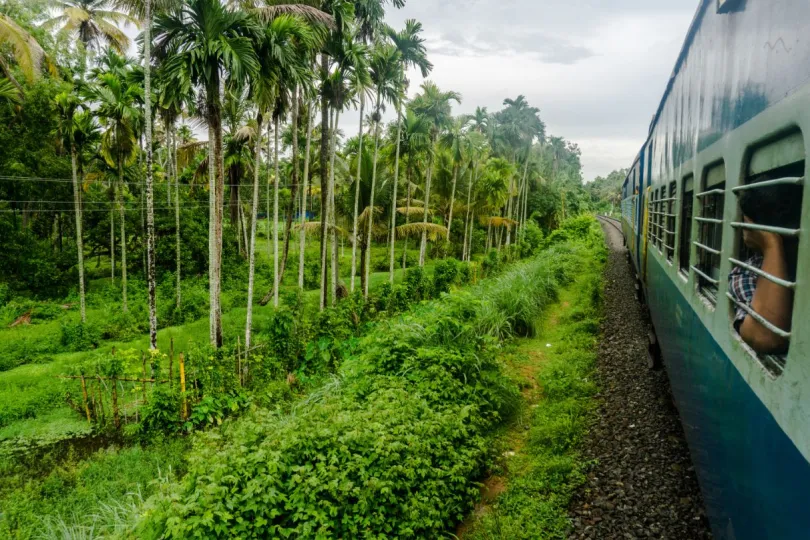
414	134
435	106
96	23
27	53
118	100
201	44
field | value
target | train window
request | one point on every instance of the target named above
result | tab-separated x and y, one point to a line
651	221
685	245
662	195
669	234
763	275
711	201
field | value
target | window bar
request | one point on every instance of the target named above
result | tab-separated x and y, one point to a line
668	200
759	318
711	192
762	273
709	220
706	248
767	228
706	277
792	180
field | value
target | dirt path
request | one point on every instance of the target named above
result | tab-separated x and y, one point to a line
643	484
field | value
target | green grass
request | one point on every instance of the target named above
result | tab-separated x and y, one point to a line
92	498
540	464
32	389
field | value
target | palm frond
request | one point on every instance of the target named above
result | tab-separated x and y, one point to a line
314	228
308	13
363	217
9	93
414	230
412	211
27	52
497	221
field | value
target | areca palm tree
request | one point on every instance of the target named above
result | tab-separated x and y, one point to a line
435	106
414	135
94	22
118	99
413	53
200	45
455	141
283	48
67	105
389	83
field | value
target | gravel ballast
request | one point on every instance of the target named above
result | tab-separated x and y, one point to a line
642	483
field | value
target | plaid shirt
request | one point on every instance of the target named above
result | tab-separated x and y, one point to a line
742	284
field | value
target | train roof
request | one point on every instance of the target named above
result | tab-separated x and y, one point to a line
687	44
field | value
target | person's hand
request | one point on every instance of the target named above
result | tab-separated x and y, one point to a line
761	241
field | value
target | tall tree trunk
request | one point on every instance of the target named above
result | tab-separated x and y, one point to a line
177	217
123	218
452	200
333	212
112	232
77	210
253	215
302	233
509	206
358	177
393	238
408	177
294	183
467	216
150	196
276	276
423	246
212	248
370	224
324	180
268	198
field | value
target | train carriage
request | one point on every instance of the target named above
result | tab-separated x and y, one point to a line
736	111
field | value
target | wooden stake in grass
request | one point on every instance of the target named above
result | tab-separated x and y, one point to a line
143	384
171	362
85	401
184	408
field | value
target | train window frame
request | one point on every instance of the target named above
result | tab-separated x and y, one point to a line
686	211
709	216
730	6
670	218
784	160
661	202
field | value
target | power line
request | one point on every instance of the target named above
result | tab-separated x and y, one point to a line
70	181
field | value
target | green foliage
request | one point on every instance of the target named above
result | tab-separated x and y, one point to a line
212	410
446	273
80	337
420	393
418	283
161	414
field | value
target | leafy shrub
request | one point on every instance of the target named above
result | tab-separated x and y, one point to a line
124	326
312	270
161	414
445	274
80	337
418	283
212	410
492	263
399	299
381	263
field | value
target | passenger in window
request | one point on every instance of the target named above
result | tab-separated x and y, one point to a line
777	206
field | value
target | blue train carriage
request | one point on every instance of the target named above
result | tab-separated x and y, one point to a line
735	118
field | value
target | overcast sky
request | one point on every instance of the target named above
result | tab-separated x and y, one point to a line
596	69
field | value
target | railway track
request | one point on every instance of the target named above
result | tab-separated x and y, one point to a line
615	222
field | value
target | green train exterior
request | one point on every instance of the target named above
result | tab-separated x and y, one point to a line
736	107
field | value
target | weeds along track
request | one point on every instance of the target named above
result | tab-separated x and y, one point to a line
643	484
397	447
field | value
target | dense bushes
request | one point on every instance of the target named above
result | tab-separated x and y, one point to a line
394	450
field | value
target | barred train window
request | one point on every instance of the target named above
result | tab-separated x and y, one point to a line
670	221
711	201
763	276
685	245
661	196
